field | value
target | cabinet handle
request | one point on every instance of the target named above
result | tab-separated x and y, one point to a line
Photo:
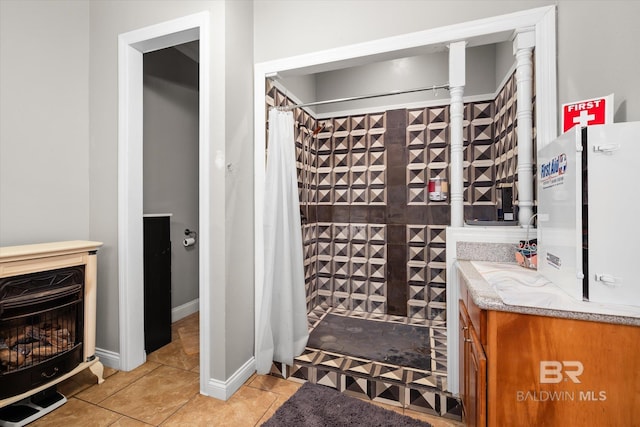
468	340
55	371
465	328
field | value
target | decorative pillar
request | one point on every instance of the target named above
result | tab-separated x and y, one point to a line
456	117
523	43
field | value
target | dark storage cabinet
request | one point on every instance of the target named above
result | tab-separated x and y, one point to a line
157	282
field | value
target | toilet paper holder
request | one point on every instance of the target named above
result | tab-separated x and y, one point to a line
191	238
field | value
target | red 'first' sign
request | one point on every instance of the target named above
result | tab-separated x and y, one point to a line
588	112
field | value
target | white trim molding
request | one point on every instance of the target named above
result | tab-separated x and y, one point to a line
223	390
184	310
130	225
109	358
131	47
547	126
523	44
457	79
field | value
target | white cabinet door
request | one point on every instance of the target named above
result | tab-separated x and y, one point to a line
613	181
559	179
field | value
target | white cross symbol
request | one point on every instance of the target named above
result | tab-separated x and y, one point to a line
584	118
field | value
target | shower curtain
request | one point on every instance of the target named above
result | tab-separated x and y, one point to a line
282	330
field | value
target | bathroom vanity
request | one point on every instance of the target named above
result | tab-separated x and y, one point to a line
532	366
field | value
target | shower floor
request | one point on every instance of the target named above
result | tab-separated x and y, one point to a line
390	359
386	342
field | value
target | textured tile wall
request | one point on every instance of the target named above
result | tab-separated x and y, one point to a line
506	138
373	241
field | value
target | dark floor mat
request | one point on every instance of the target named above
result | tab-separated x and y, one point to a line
316	405
386	342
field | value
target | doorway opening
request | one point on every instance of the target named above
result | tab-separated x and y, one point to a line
131	48
170	182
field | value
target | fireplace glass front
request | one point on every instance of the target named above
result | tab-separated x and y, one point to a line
41	328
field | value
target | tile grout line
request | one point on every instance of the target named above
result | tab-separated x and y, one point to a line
115	392
178	409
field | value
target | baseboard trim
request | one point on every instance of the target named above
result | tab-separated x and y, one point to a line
109	358
223	390
185	309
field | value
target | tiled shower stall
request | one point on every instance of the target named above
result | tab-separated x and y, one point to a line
374	244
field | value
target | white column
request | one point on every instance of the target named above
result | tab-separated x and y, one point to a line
456	117
523	44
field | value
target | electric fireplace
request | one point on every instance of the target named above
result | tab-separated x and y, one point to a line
47	316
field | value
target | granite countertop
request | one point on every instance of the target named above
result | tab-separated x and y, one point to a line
551	302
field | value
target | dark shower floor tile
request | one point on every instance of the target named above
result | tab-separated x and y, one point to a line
394	343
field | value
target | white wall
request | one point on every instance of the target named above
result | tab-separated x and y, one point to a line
505	60
171	159
598	53
302	87
239	184
397	74
286	28
403	74
44	121
596	40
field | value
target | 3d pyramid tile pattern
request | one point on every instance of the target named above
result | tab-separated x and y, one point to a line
310	254
352	266
426	271
417	270
506	141
352	166
346	260
427	145
351	162
420	390
479	172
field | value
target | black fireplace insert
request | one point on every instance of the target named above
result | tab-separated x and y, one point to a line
41	328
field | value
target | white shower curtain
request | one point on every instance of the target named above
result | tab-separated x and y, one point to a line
282	330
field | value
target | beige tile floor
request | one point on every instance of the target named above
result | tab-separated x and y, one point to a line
164	392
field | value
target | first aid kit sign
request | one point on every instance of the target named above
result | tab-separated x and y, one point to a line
596	111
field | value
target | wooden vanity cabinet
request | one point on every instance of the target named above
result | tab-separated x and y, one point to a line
521	369
473	363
